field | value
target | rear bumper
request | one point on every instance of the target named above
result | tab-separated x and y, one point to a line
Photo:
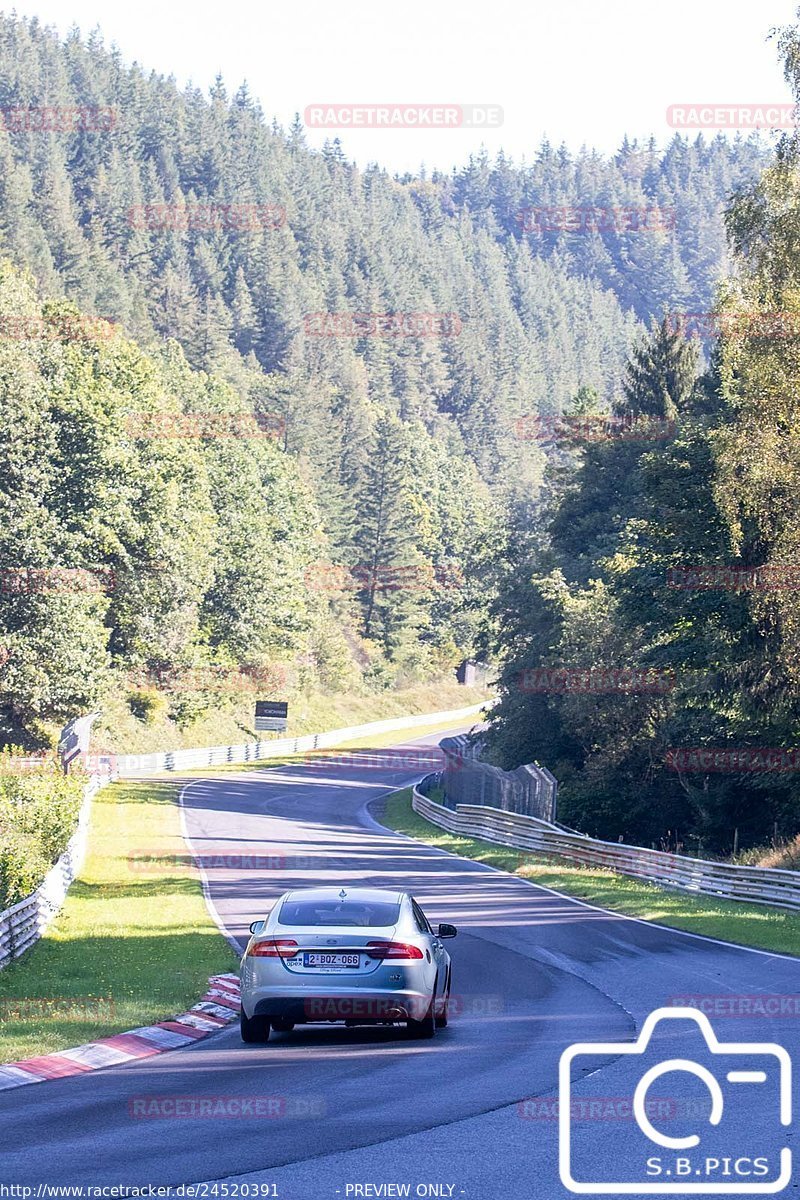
365	1007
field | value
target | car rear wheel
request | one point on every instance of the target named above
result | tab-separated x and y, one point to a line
425	1028
441	1018
283	1026
253	1029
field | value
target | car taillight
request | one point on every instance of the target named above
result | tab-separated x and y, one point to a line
392	950
273	948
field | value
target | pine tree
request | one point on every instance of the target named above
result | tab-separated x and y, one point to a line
660	375
385	538
243	312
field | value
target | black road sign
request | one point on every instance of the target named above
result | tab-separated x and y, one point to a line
271	716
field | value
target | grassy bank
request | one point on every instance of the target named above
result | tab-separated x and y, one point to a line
229	719
133	943
748	924
375	741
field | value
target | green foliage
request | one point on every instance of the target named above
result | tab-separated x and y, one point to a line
39	806
123	551
147	706
129	947
397	459
660	375
210	539
23	866
590	591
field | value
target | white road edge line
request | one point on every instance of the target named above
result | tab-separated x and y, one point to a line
204	883
700	937
212	912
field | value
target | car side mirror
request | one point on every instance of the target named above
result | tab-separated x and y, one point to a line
256	926
446	931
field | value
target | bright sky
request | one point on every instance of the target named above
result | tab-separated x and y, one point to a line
579	71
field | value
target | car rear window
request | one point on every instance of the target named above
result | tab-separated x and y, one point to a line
364	913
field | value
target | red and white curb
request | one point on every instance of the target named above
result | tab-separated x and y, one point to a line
218	1007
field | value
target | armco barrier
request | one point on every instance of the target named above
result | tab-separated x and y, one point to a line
758	885
466	779
25	922
213	756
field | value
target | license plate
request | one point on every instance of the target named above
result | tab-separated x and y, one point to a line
320	959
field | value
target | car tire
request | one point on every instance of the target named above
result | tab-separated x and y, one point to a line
425	1028
282	1026
253	1029
441	1019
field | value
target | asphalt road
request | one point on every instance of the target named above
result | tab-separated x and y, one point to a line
471	1113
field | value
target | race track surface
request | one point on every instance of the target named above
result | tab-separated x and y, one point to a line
356	1110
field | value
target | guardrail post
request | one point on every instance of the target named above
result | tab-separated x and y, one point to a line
777	887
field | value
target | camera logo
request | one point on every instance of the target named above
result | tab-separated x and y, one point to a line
691	1163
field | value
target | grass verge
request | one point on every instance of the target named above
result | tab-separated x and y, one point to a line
746	924
375	741
133	943
229	719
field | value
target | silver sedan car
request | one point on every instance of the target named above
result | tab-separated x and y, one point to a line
364	956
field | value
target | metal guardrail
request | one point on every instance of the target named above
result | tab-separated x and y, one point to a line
757	885
25	922
466	779
211	756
